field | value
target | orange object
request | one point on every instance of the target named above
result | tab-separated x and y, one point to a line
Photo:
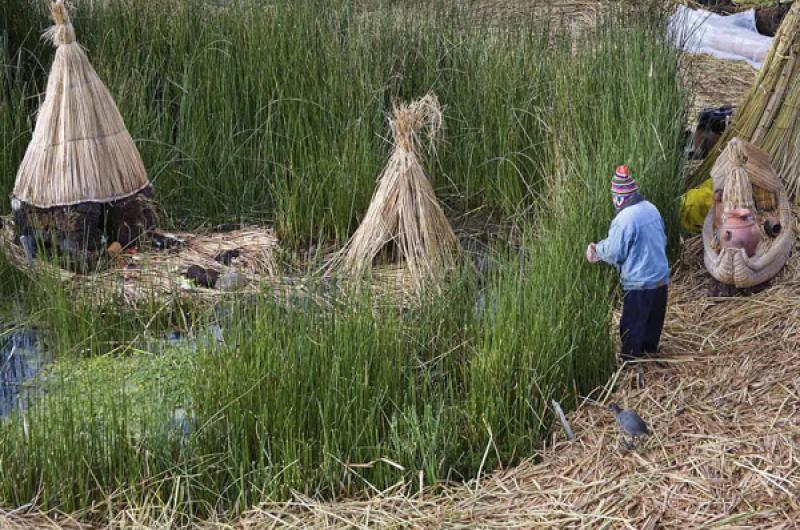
114	248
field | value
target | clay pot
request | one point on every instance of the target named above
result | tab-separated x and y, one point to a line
739	230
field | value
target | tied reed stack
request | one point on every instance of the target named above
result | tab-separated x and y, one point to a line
82	177
404	216
768	117
737	190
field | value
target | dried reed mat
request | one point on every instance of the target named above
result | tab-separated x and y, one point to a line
80	150
722	399
404	213
715	82
159	274
21	520
769	115
574	14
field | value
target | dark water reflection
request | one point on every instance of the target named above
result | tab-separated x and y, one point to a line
23	356
21	360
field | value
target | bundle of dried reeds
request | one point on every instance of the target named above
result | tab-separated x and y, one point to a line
738	192
769	114
404	215
80	151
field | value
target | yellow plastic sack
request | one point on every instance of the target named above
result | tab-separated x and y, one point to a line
695	205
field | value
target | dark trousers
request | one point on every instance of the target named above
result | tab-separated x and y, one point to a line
642	320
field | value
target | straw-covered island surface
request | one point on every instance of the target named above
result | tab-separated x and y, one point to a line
228	370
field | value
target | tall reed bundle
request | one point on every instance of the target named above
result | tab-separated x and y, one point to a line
769	114
80	150
404	213
738	192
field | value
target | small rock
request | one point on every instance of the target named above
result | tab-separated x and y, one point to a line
202	277
231	281
226	257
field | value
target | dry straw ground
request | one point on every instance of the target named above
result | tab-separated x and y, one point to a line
160	275
716	82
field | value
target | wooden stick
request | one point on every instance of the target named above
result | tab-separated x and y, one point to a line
563	418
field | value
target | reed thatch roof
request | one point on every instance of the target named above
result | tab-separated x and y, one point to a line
769	117
80	150
755	162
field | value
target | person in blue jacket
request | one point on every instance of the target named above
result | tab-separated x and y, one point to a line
636	246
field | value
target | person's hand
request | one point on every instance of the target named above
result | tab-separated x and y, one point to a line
591	253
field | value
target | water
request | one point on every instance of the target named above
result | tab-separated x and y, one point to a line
21	360
209	337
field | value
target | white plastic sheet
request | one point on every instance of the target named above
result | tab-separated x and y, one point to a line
727	37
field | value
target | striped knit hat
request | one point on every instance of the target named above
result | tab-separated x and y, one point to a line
622	184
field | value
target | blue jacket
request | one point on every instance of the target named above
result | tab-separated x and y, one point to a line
636	246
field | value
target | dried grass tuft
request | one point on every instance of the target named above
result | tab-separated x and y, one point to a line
16	520
404	216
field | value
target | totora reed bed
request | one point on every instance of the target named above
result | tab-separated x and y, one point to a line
725	421
723	408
